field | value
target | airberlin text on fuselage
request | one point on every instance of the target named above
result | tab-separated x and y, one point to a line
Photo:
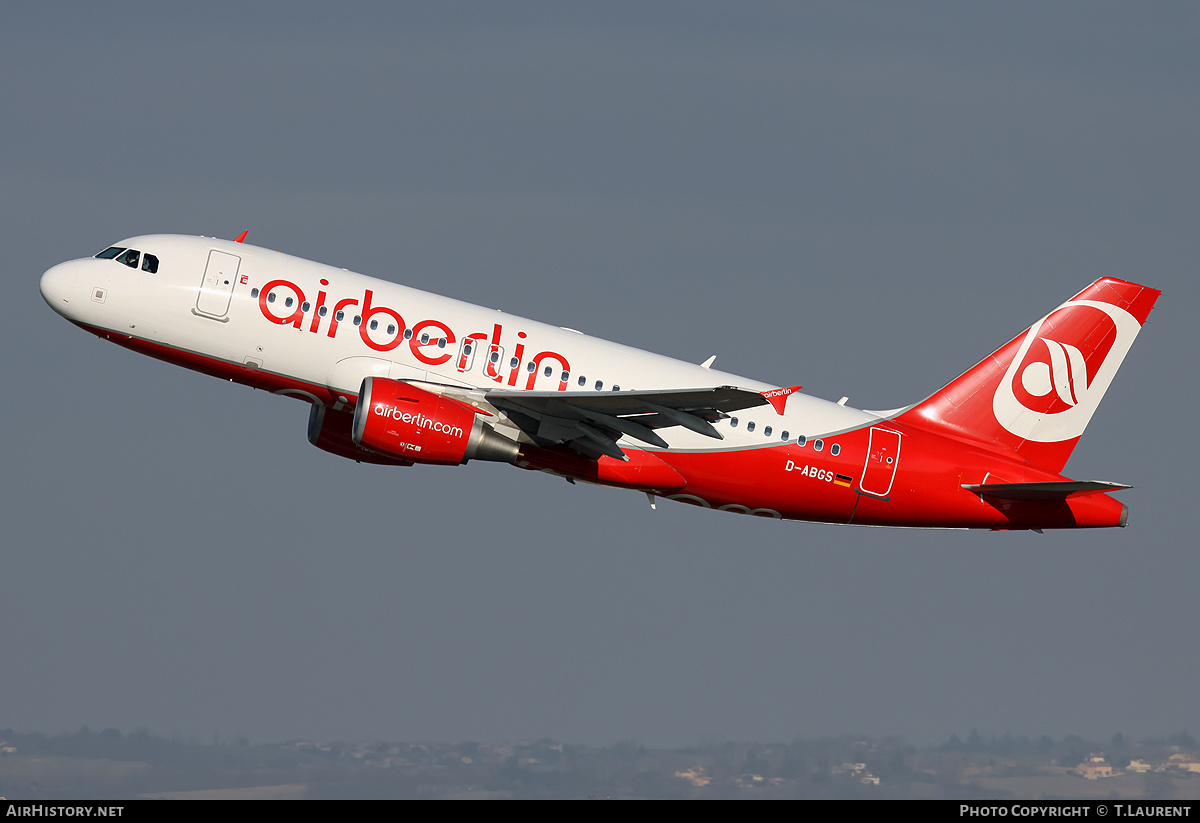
424	340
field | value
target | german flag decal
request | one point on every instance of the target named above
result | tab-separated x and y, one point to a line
843	480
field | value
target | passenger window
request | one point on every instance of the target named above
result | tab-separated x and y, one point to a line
835	449
767	431
750	426
582	380
818	444
783	436
733	422
150	264
801	440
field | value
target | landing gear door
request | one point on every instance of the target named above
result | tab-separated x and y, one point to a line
217	288
883	456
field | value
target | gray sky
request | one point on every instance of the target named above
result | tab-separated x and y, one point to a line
864	199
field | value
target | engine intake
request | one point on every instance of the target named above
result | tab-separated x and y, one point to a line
329	430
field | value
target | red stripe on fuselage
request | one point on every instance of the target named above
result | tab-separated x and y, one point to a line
798	482
226	370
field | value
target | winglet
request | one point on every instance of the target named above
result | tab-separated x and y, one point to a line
241	237
778	397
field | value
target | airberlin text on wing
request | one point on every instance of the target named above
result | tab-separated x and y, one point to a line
427	341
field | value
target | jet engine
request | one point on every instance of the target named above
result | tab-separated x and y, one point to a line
405	422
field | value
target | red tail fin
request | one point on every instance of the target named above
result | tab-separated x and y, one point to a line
1036	394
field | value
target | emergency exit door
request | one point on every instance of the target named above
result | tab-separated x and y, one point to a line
883	456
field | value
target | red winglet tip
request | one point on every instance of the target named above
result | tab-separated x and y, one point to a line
778	397
241	237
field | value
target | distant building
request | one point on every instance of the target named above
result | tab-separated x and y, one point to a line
1095	767
695	776
1184	762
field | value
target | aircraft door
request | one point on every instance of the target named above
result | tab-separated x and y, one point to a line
883	456
216	290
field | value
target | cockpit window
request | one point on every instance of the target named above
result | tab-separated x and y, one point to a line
130	258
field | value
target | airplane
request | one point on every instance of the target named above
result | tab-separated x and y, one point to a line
398	376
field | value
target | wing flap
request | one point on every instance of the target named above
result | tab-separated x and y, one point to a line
591	422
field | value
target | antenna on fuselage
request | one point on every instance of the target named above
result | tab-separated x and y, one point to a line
241	237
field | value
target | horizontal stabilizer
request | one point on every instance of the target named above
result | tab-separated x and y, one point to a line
1053	490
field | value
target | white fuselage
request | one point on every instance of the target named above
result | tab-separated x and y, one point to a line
280	314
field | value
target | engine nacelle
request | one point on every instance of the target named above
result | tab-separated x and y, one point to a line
329	430
406	422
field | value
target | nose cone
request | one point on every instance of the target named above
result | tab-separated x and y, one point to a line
58	287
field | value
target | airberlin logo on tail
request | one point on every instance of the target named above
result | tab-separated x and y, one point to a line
1067	367
1062	369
